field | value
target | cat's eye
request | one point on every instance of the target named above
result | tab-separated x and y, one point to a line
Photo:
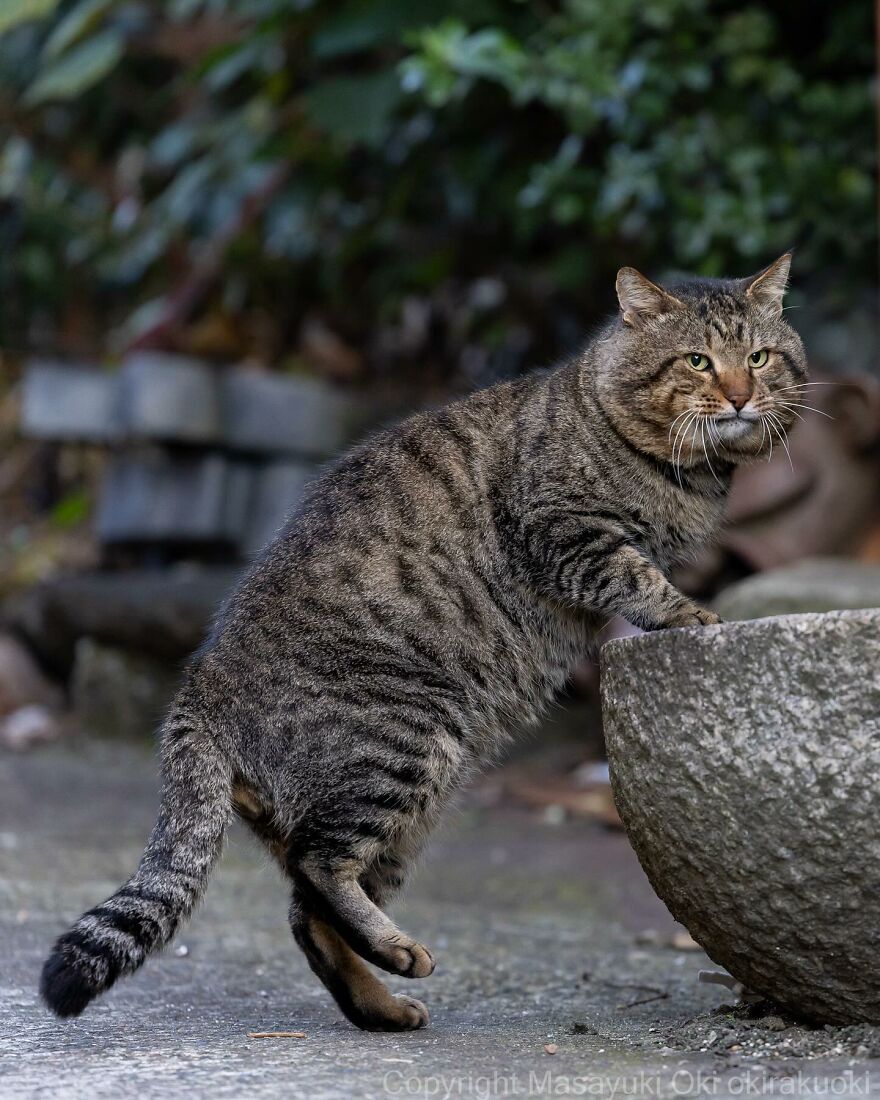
697	361
758	358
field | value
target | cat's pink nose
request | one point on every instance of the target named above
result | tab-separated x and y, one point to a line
737	399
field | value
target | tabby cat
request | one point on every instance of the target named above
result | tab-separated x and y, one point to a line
435	589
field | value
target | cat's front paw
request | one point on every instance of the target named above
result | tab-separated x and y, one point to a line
693	615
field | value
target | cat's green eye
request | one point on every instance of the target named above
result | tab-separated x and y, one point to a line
697	361
758	358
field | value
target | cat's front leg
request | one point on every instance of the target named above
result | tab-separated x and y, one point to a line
599	566
628	583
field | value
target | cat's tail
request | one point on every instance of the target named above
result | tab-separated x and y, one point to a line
116	937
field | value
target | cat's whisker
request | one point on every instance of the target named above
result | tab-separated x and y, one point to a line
689	435
680	441
678	432
798	405
675	465
712	428
803	386
775	422
705	451
760	446
674	462
794	412
675	421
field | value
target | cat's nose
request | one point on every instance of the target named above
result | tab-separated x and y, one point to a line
738	398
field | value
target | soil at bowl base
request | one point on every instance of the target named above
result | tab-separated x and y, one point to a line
763	1030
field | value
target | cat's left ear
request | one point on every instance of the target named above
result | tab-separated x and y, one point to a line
768	287
639	298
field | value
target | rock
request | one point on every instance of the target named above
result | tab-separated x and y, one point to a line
772	1023
817	584
68	402
30	725
161	613
745	761
21	679
151	494
115	692
278	414
169	397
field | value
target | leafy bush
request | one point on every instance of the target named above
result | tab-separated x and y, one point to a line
452	181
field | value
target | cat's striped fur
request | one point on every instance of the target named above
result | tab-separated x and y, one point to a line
433	591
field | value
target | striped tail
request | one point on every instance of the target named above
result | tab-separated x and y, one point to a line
116	937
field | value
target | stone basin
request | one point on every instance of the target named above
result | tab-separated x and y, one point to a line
745	763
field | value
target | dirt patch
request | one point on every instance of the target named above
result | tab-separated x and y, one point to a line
763	1030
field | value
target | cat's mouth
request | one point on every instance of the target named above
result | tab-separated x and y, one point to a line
734	427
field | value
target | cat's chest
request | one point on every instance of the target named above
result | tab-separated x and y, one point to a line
678	524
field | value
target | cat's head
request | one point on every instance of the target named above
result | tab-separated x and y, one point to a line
705	369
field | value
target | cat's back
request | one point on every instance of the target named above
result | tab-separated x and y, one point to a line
396	538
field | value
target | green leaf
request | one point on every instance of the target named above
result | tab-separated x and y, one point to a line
84	18
14	12
71	510
355	109
78	70
364	24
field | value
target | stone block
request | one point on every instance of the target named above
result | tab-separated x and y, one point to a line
285	414
745	762
68	403
160	613
169	398
154	494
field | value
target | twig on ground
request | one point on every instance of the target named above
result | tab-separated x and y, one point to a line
276	1035
660	995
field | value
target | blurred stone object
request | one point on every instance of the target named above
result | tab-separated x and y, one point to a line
168	397
163	615
68	402
117	692
22	682
815	584
289	414
31	725
205	457
151	494
827	502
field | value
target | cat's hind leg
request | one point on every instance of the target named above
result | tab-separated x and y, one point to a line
361	996
333	892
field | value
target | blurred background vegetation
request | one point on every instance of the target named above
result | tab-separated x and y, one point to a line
434	186
337	211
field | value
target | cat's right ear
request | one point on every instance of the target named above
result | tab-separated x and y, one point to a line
640	299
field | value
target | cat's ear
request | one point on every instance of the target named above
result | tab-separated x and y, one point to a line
767	288
640	298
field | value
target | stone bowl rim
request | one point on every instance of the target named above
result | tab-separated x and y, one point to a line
704	634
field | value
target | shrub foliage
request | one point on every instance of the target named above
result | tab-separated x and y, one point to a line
456	178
